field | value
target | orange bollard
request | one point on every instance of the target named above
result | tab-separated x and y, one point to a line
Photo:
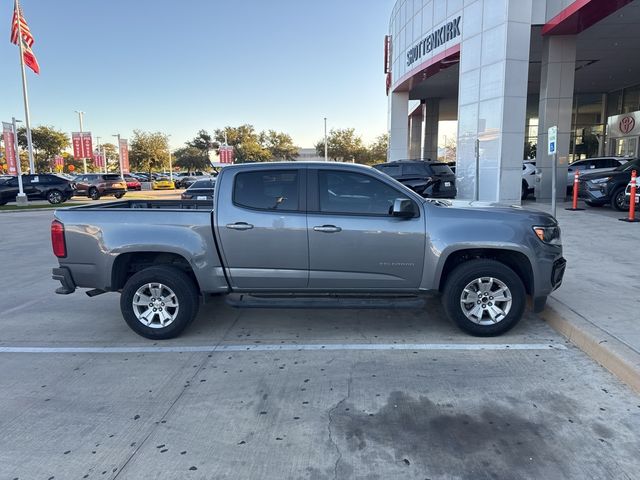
576	182
632	199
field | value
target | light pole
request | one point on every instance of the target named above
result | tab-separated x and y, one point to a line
117	135
80	117
170	166
21	199
326	147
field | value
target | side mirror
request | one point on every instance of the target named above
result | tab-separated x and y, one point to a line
403	207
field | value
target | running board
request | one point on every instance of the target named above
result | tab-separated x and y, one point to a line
324	301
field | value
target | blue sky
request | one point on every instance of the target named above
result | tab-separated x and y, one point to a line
179	66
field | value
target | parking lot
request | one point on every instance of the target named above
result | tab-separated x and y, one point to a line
290	393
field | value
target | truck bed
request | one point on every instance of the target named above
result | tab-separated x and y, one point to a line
176	204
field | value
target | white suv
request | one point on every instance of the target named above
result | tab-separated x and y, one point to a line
530	176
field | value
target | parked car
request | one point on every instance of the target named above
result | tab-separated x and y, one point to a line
279	234
96	185
530	177
182	179
593	165
186	182
46	186
200	190
602	188
429	179
163	183
132	182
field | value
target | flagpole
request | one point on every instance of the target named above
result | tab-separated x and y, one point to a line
25	94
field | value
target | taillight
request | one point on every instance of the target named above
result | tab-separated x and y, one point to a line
57	239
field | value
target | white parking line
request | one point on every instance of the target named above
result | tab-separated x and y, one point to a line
288	347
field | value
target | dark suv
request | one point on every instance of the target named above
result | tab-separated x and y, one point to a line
95	185
53	188
603	188
429	179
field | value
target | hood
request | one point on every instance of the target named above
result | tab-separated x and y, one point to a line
596	175
466	209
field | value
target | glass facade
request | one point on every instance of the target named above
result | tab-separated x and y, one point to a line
589	121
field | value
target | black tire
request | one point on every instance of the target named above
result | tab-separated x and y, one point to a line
617	199
185	292
118	195
55	197
94	194
525	190
466	273
591	204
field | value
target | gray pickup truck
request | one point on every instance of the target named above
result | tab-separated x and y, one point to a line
306	235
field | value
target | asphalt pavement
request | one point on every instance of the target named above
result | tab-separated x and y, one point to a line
290	394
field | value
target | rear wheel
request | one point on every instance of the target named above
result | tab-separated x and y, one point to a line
484	297
525	190
118	195
55	197
159	302
94	194
617	199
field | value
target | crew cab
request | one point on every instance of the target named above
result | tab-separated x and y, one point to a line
304	235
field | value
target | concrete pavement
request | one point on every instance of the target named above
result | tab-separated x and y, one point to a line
220	401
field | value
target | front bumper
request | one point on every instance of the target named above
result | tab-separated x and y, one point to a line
557	273
594	193
63	275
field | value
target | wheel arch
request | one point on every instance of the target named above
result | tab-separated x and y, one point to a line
517	261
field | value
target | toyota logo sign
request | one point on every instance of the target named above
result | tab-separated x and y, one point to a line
627	124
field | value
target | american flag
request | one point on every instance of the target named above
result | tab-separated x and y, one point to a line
27	39
24	28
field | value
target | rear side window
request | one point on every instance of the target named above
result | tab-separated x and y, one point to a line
268	190
110	177
414	169
441	169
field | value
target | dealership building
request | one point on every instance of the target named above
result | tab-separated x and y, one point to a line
507	71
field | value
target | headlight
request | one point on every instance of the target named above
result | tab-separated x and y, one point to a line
550	235
601	180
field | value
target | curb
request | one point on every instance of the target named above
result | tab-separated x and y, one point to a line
610	352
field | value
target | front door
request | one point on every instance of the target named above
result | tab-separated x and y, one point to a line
354	241
262	227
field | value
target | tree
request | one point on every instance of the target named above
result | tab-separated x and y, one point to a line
111	152
148	150
377	151
280	145
204	143
530	149
246	143
47	143
191	158
450	148
343	145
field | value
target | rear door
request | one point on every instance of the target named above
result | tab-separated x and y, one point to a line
82	184
354	241
262	227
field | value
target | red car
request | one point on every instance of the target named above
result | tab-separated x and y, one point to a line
132	183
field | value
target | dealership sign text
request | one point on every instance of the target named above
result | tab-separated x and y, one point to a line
446	32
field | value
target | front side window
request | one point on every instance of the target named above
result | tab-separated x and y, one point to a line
355	193
267	190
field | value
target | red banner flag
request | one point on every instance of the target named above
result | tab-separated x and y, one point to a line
98	159
9	148
226	154
59	161
124	155
76	139
87	145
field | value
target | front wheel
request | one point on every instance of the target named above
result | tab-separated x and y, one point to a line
617	200
484	297
159	302
94	194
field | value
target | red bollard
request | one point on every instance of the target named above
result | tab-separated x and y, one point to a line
576	182
632	199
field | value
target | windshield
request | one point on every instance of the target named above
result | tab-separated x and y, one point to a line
441	169
204	184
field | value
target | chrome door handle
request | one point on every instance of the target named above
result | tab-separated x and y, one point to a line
239	226
327	229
